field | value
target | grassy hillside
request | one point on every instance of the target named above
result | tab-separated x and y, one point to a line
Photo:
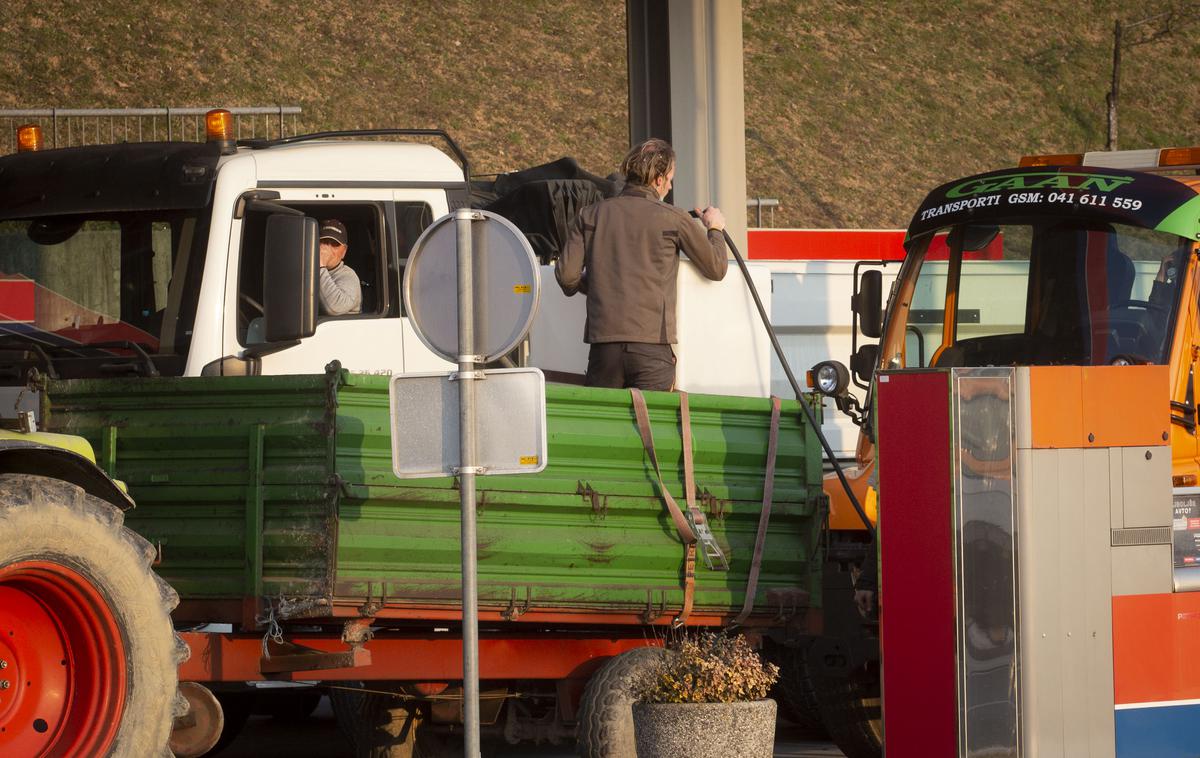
853	110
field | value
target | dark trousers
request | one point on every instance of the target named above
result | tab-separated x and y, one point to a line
644	365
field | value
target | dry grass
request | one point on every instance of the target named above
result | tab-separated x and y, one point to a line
853	110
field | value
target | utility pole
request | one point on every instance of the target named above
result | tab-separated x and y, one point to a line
1165	24
1115	91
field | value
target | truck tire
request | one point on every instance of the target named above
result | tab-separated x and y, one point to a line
605	710
795	690
374	723
850	709
89	651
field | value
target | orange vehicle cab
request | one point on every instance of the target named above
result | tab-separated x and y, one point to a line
1030	430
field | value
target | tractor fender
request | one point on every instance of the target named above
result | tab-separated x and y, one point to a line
20	456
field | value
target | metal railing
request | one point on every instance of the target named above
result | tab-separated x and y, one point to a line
758	203
72	127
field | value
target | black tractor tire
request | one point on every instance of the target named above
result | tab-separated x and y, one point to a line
374	723
59	541
606	708
794	690
851	711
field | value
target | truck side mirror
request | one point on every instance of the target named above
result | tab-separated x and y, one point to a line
863	362
291	264
866	303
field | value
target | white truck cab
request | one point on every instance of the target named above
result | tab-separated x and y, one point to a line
385	193
200	260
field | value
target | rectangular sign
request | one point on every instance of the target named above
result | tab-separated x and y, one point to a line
1185	538
510	417
1186	529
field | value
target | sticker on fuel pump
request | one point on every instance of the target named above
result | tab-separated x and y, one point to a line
1185	528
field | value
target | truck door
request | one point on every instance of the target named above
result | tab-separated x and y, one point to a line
377	339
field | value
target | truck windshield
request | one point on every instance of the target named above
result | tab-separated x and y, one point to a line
99	296
1046	293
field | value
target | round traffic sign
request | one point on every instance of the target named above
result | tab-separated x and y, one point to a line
506	281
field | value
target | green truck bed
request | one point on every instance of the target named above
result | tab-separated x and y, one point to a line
281	488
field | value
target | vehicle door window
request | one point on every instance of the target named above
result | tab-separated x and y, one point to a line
412	218
993	284
367	255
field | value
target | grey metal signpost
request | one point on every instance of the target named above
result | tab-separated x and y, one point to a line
466	472
495	281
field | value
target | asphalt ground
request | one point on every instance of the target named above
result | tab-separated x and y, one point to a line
319	737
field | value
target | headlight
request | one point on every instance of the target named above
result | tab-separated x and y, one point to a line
830	378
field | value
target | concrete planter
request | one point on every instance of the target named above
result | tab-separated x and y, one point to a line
705	730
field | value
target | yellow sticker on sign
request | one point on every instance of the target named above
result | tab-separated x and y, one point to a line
529	460
522	289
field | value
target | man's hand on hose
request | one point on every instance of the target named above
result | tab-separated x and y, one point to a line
711	217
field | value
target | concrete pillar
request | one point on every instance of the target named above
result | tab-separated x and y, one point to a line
689	53
708	114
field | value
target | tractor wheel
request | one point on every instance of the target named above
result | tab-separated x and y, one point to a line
850	709
381	726
88	650
606	709
795	690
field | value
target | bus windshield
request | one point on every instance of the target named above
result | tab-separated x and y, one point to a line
1051	292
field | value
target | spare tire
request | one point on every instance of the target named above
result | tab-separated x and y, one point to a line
85	628
605	711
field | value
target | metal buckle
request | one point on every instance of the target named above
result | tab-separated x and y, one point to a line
714	558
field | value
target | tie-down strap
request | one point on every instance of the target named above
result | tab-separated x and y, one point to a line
764	516
693	527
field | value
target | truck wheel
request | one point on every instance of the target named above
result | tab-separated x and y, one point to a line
605	711
795	690
850	710
89	653
375	724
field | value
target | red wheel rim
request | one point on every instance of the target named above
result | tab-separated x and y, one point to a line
64	661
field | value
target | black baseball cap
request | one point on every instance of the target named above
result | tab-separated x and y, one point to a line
332	229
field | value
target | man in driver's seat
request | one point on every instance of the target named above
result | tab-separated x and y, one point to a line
341	291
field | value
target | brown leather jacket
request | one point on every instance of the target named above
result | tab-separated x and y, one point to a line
623	254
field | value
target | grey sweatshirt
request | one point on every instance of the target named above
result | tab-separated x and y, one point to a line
341	292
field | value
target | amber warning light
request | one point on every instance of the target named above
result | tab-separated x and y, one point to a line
218	127
1063	159
29	138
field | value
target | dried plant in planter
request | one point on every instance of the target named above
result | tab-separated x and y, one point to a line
709	668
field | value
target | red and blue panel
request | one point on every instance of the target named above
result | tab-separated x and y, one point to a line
1156	675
